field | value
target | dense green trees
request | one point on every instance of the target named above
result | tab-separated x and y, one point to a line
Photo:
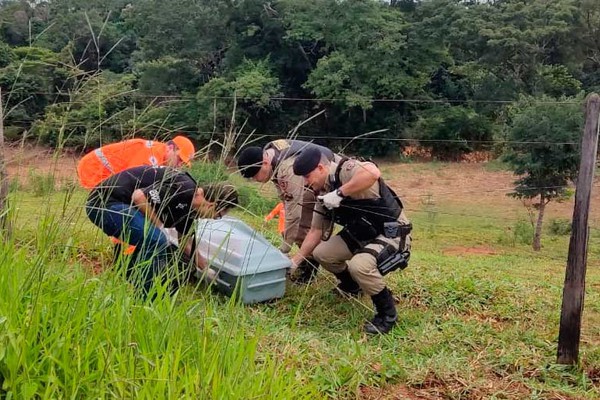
544	151
440	71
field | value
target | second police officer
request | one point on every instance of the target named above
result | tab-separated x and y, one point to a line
375	238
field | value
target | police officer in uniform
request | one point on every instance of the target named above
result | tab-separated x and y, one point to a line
274	162
375	238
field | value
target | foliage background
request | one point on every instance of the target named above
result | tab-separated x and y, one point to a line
443	72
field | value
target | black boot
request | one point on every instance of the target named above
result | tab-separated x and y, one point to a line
386	316
347	286
306	272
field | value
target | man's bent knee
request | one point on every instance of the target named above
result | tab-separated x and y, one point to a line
363	269
324	258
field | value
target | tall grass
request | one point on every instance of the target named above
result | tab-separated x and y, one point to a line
470	325
66	333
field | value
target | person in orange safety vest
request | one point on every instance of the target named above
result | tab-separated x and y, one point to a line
113	158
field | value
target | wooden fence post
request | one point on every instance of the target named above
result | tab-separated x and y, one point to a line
574	287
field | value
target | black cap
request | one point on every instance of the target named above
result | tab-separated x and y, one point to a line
307	161
250	161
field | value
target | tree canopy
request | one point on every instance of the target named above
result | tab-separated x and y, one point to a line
443	72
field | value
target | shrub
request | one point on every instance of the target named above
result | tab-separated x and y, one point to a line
559	227
523	232
251	201
41	184
209	172
451	131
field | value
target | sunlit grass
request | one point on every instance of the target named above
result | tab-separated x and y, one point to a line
476	307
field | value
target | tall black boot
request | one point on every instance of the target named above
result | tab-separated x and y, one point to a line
347	285
386	315
306	271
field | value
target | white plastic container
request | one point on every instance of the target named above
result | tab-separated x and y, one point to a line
243	260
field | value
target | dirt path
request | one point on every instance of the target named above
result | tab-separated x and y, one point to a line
471	187
23	162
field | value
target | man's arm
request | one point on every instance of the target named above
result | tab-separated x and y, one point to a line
199	261
313	238
365	176
141	202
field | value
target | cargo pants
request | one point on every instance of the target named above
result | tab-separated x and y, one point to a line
335	256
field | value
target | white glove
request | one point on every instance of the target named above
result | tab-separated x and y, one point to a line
171	235
331	200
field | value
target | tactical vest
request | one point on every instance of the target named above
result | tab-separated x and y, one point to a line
285	149
364	219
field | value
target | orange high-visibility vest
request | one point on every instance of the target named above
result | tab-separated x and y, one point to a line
108	160
278	211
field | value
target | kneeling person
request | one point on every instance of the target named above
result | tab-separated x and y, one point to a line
376	234
136	206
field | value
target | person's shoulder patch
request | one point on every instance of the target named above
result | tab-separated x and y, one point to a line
349	165
282	184
280	144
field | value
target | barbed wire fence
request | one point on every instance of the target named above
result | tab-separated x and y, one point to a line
424	205
61	170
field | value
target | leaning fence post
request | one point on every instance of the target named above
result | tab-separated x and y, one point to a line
574	287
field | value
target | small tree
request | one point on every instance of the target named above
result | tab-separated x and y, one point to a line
543	150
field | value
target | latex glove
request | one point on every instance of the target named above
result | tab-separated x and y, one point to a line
331	200
295	261
170	234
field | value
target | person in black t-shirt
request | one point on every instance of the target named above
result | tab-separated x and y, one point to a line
136	206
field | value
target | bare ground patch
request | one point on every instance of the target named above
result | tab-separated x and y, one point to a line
466	251
471	186
393	392
23	161
436	388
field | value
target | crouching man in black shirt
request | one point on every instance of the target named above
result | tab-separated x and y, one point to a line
136	206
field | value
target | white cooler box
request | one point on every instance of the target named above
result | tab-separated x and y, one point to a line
242	259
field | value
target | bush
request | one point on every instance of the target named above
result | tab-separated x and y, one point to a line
252	202
12	133
41	184
523	232
520	233
451	131
209	172
560	227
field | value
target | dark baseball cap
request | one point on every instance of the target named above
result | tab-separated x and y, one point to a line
307	161
250	161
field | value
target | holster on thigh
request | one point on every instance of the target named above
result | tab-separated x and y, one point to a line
389	258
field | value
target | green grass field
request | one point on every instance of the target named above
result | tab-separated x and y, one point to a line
478	318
